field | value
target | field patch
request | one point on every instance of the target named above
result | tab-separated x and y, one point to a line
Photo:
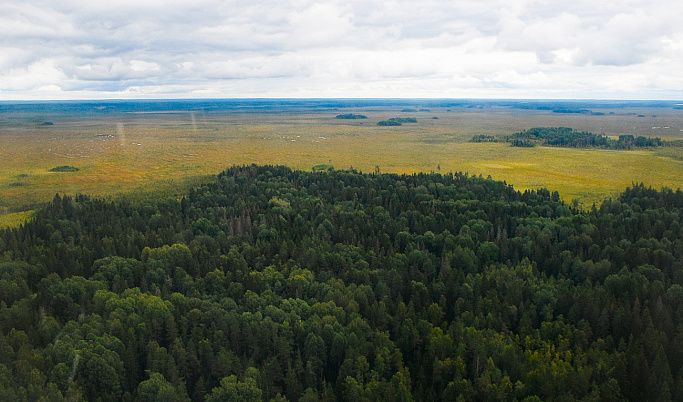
14	219
496	166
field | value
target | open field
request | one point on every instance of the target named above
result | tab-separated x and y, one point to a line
161	149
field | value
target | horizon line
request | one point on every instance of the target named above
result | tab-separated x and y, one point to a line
341	98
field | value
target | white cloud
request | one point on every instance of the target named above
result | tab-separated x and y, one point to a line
541	34
31	77
320	24
287	65
396	48
139	65
50	88
19	20
112	69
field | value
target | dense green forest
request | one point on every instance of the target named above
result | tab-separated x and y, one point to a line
273	284
568	137
397	121
351	116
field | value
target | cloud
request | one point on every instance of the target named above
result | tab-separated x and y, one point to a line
18	20
623	40
36	75
613	36
370	48
540	35
287	65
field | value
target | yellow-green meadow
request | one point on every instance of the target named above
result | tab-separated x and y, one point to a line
150	154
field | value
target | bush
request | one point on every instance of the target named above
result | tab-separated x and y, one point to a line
389	123
64	168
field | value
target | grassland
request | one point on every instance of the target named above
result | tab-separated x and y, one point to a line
161	153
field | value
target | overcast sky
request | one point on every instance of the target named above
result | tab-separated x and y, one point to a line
88	49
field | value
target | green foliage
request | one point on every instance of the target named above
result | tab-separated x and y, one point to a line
351	116
403	120
390	122
270	283
231	390
567	137
322	167
397	121
64	168
157	389
517	142
483	138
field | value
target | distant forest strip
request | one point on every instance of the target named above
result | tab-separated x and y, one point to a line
397	121
570	138
565	110
351	116
273	284
483	138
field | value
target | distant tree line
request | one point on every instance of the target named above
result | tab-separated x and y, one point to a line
570	138
565	110
397	121
522	143
351	116
483	138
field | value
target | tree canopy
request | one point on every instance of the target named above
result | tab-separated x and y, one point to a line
274	284
568	137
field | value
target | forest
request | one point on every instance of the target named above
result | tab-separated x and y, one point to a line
397	121
568	137
276	284
351	116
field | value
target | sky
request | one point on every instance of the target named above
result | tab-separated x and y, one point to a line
157	49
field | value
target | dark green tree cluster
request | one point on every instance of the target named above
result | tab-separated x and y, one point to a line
570	138
64	168
397	121
483	138
522	143
389	123
273	284
570	110
629	141
351	116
